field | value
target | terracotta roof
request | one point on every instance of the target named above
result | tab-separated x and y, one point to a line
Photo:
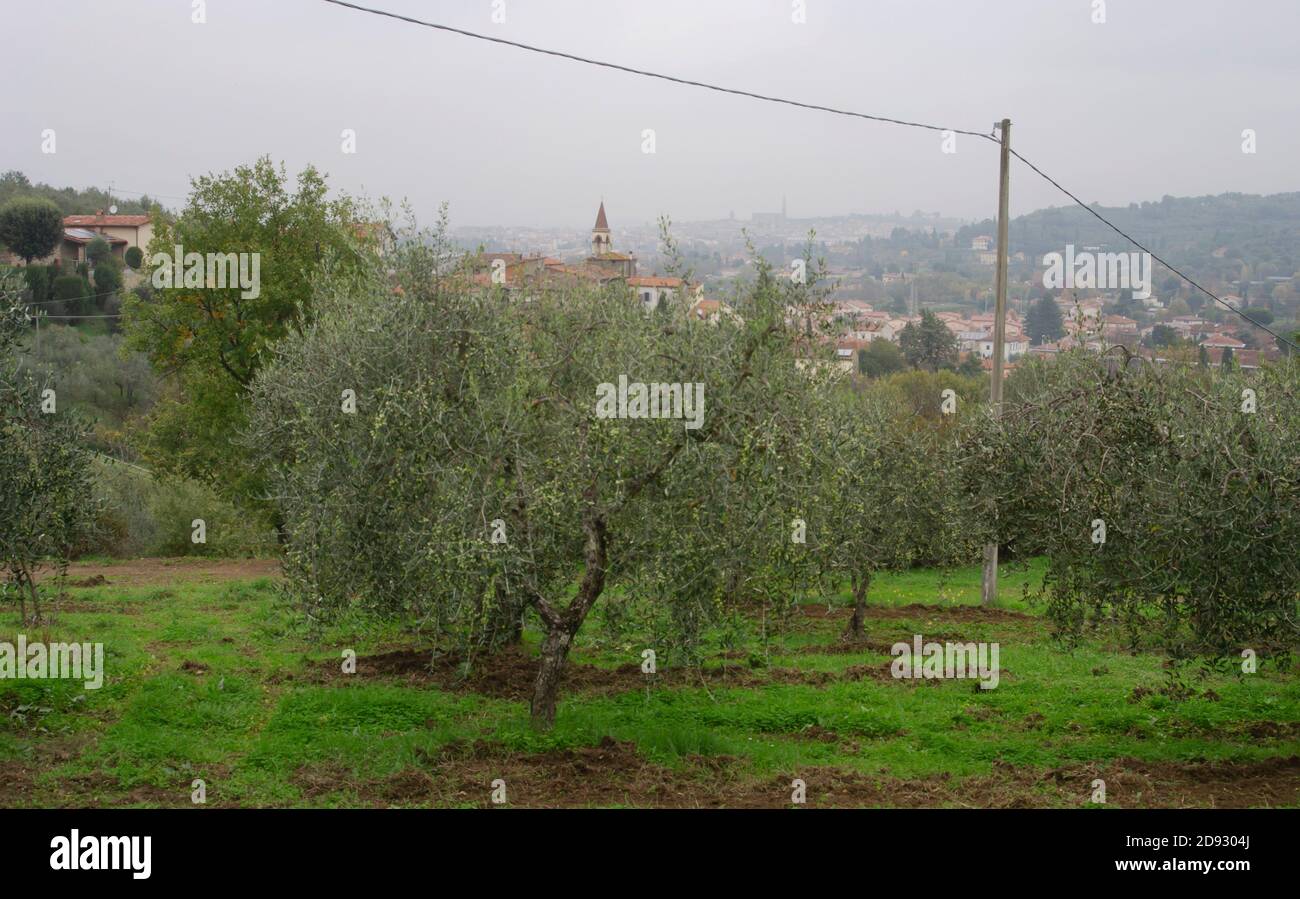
1222	340
118	221
654	281
601	224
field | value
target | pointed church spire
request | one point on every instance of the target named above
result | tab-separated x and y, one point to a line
601	241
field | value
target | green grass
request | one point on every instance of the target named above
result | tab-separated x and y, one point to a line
209	680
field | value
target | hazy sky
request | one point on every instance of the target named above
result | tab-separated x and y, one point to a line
1152	102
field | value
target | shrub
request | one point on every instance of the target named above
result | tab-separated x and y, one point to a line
134	257
108	280
143	516
38	282
98	250
70	289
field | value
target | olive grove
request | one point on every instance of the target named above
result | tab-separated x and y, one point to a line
46	502
1167	499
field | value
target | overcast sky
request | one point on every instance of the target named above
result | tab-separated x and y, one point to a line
1152	102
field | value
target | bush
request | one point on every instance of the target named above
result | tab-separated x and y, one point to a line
69	291
38	282
134	257
108	280
142	516
98	250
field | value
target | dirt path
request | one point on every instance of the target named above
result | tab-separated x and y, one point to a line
161	572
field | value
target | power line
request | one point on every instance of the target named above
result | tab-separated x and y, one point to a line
648	74
89	296
860	115
1143	247
1109	224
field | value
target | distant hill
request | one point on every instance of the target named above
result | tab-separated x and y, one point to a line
1226	237
14	184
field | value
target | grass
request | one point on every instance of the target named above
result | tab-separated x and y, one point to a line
214	680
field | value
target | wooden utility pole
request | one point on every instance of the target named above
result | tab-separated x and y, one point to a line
989	593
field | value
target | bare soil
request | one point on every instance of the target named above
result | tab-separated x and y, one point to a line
614	773
509	674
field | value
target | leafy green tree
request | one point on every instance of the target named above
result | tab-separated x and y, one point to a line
880	357
1259	315
1044	323
928	344
31	228
134	257
1227	357
98	250
214	338
972	366
1162	336
467	487
44	466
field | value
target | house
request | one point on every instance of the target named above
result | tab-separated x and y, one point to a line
1246	359
1119	328
72	249
136	230
1222	341
711	311
652	290
846	353
121	232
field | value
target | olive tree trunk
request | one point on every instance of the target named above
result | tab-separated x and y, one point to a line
563	625
860	584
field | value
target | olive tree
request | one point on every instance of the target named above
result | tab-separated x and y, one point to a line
31	227
895	490
45	489
463	454
1168	497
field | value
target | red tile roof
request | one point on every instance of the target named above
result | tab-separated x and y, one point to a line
112	221
654	281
